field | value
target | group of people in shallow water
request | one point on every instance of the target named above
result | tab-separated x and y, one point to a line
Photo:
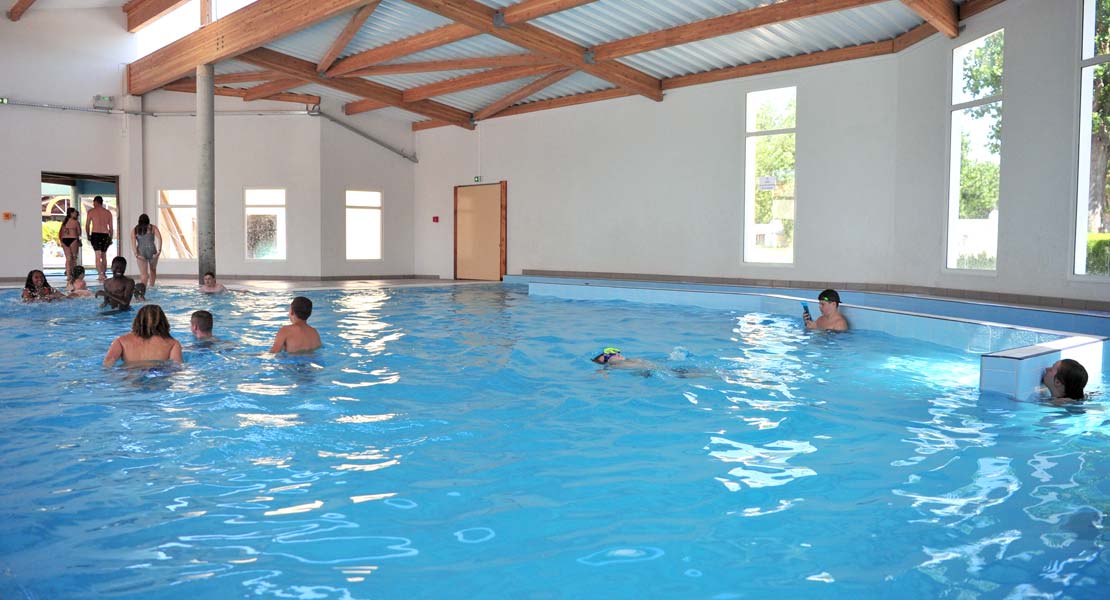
1065	380
150	339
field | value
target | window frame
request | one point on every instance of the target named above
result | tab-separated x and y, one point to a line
381	224
164	230
748	135
282	231
1081	158
951	181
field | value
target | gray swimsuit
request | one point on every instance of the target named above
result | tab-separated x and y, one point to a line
145	244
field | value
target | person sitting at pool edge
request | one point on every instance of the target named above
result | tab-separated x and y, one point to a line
77	287
830	318
1065	380
210	285
149	340
119	288
201	325
37	288
299	336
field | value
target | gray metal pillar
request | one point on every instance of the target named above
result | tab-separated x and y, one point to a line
206	171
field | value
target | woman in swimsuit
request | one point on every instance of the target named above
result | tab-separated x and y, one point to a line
146	242
38	289
69	235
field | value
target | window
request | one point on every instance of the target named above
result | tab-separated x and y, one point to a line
265	219
169	28
975	154
364	225
769	177
1092	215
177	219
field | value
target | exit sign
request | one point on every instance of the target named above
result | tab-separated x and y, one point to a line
477	179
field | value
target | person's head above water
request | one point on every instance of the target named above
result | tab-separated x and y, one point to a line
119	265
1065	379
150	322
35	280
301	307
829	295
78	272
201	321
608	355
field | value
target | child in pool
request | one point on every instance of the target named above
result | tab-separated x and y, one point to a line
77	288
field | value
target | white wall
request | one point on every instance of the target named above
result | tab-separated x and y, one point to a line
351	162
634	186
59	57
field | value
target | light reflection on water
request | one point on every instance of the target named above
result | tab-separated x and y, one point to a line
457	442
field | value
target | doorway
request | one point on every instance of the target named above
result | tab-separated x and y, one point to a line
480	228
59	193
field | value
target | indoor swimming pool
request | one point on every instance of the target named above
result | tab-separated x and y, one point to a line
457	442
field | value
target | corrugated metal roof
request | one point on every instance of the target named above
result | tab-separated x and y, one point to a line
590	25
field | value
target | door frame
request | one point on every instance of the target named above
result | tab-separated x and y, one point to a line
504	227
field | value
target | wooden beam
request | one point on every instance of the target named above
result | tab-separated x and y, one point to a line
266	90
141	13
247	77
345	36
410	45
361	106
762	16
565	52
782	64
973	7
252	26
477	80
534	9
302	69
458	64
206	14
510	99
20	7
429	124
519	109
941	14
190	86
913	36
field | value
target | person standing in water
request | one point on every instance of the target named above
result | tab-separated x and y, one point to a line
149	340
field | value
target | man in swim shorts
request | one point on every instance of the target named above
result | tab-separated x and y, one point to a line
100	231
118	290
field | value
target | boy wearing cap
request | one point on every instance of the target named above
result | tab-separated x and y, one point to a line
830	318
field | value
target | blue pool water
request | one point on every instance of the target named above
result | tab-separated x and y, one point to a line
456	442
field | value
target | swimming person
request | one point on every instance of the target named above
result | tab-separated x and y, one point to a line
149	340
611	358
69	235
1065	380
300	336
100	230
830	318
118	290
146	243
211	286
77	287
37	288
201	325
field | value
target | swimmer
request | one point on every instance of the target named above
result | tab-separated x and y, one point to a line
830	318
77	287
611	358
201	325
211	286
118	290
299	337
149	340
1065	380
37	288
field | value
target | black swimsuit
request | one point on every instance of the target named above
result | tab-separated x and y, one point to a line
69	241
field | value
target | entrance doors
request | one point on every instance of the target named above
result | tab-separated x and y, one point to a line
62	191
480	214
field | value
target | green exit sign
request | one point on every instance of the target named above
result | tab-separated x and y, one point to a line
477	179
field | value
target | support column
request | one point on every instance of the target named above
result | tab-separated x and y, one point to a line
206	171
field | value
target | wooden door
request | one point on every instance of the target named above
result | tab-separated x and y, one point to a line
480	231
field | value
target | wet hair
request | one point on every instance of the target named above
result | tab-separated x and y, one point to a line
829	295
140	290
122	262
1074	378
150	322
203	320
30	284
78	272
143	226
207	273
98	200
71	213
302	307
